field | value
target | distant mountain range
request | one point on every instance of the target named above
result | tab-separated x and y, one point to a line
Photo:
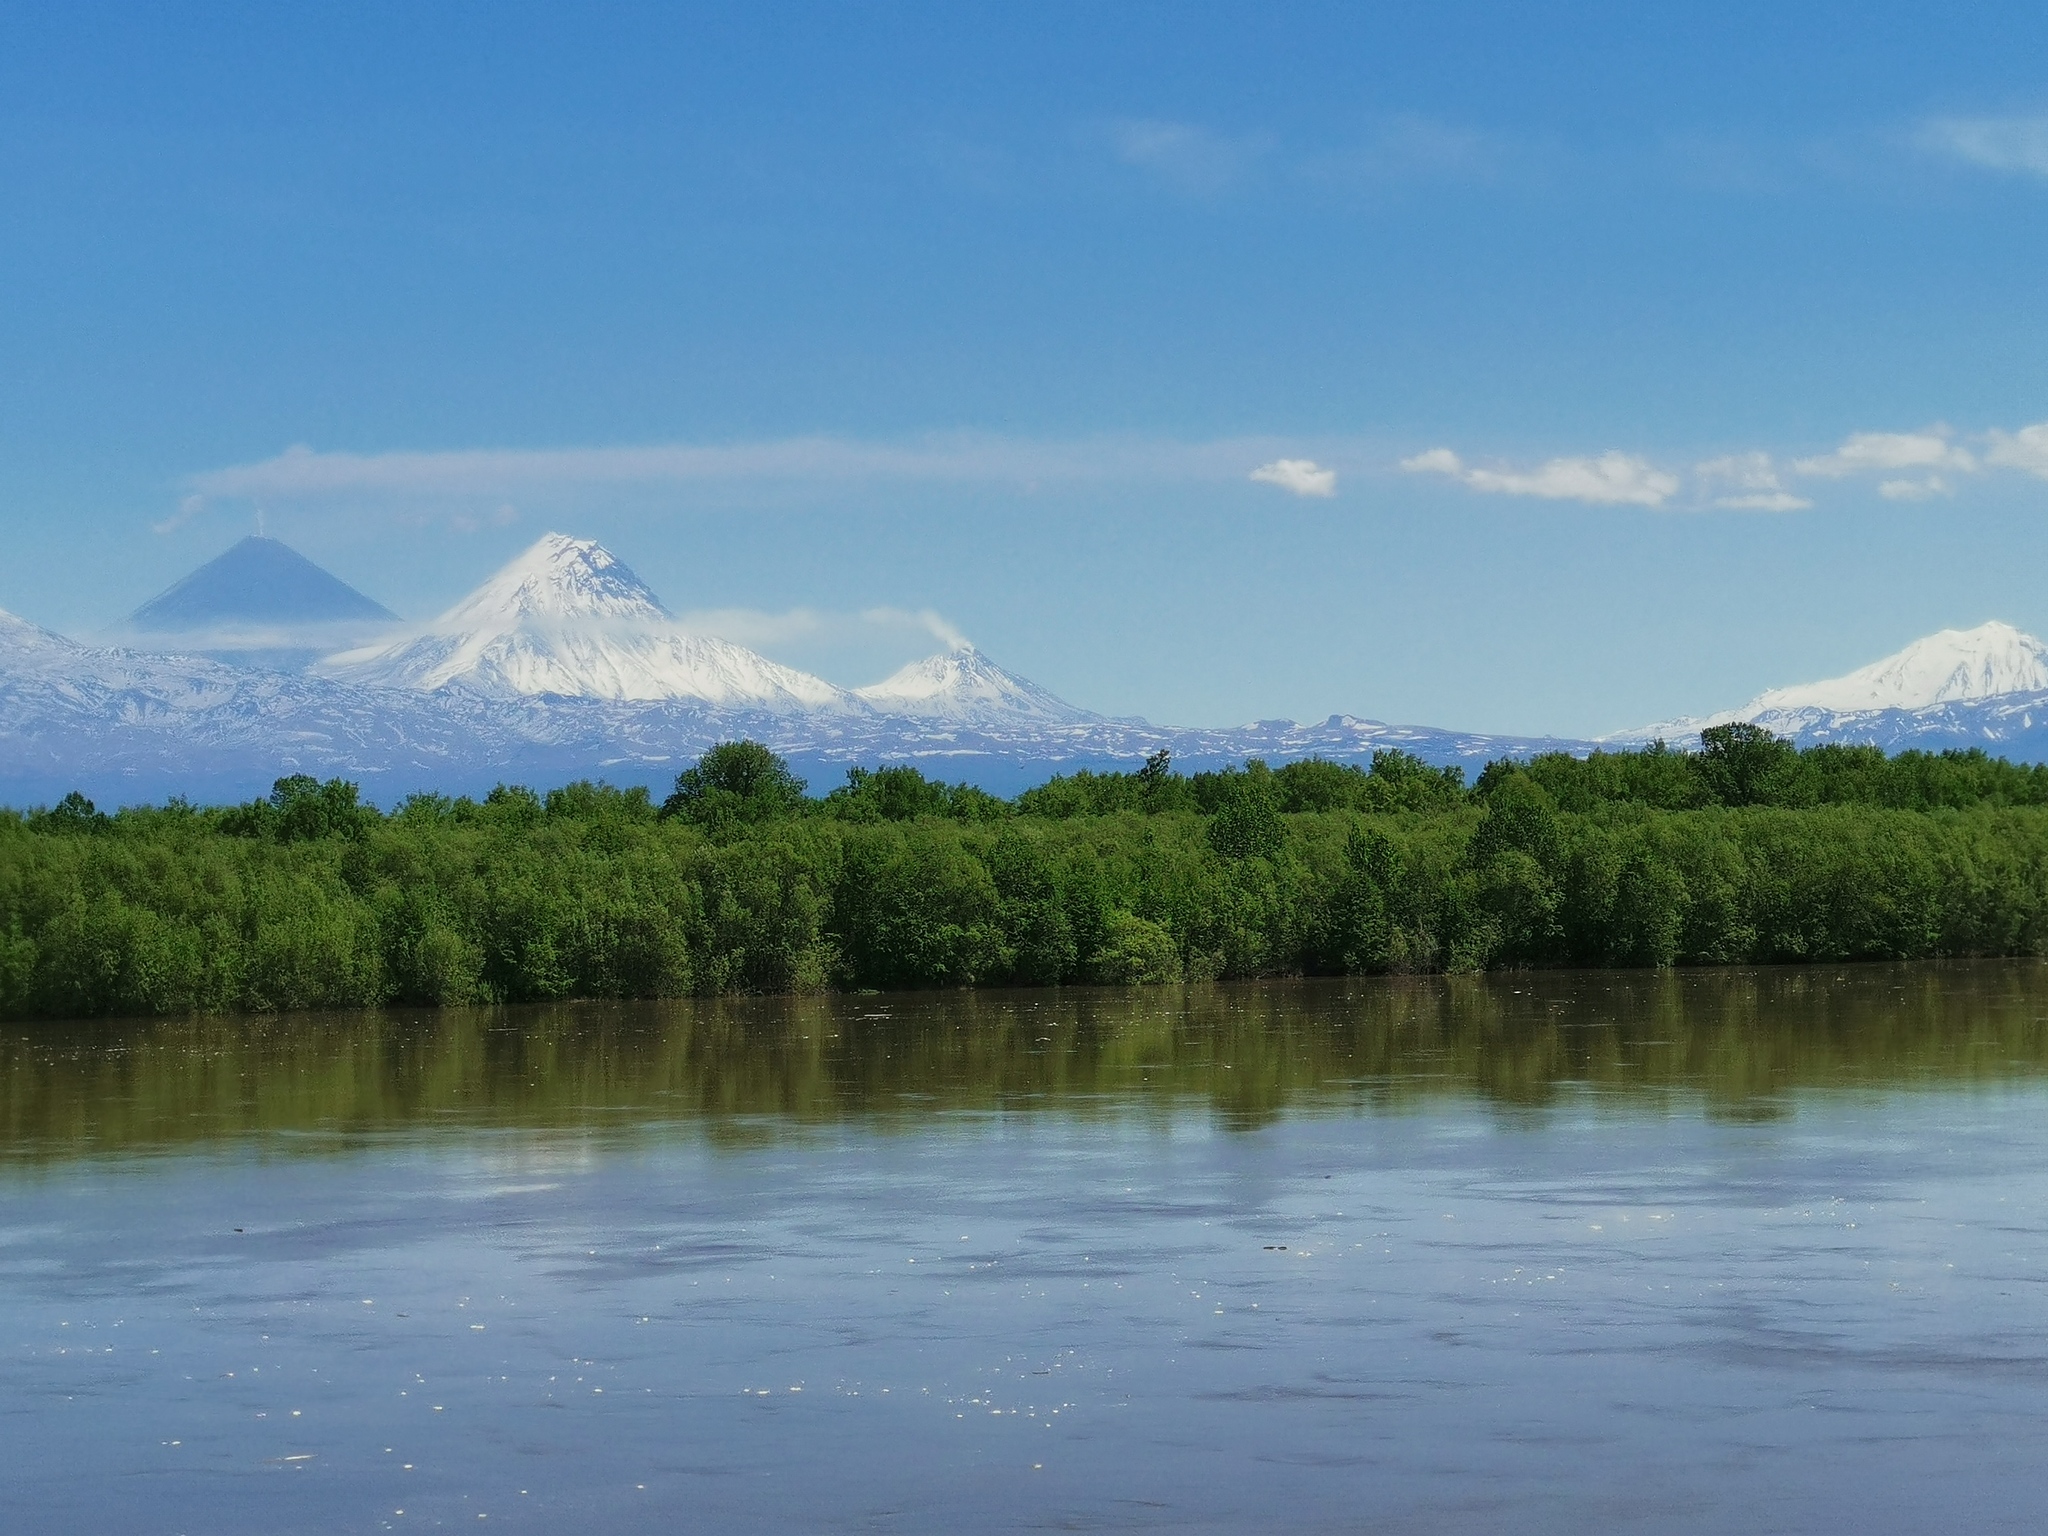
564	665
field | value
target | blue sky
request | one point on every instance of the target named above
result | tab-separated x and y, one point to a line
989	313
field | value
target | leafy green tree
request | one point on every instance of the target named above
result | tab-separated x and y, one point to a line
1160	790
1401	781
512	807
73	814
736	783
1034	921
1136	952
1245	822
1517	855
886	794
1316	784
1744	764
308	898
913	908
1355	928
308	809
588	802
1085	793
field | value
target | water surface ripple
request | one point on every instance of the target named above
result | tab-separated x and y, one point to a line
1698	1252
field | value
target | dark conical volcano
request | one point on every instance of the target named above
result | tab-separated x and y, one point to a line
260	583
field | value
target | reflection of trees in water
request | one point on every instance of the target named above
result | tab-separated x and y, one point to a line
743	1069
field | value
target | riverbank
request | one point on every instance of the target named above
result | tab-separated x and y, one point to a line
310	901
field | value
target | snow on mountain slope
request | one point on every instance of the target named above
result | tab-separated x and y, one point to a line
558	578
1953	666
1943	677
567	618
24	644
964	686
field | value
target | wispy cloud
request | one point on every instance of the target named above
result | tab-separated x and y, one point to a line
1304	477
303	473
1747	482
2017	144
189	507
1914	490
929	620
1193	160
1409	148
1887	452
484	487
1610	479
1201	162
759	627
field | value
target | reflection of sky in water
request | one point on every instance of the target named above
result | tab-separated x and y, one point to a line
1558	1302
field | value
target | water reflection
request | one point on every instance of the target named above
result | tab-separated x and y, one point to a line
743	1068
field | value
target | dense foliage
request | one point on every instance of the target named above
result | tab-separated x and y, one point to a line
1748	850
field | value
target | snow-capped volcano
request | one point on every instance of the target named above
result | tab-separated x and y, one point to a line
260	603
558	578
1953	666
257	583
568	618
963	685
1936	676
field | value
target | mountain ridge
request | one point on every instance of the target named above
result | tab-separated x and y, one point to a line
564	664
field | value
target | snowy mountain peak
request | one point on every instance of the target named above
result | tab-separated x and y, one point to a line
21	640
965	686
257	581
259	603
557	578
1954	666
568	619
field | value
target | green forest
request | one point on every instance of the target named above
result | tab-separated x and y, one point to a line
1748	850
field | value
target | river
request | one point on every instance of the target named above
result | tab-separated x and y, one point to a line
1686	1252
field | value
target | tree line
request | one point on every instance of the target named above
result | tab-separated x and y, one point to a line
1748	850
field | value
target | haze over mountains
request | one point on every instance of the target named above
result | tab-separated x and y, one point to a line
564	664
260	602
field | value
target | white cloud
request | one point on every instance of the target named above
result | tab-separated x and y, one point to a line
1764	501
1409	148
1748	482
1889	452
2025	450
1304	477
1188	158
1914	490
503	475
1611	479
929	620
758	627
189	507
2018	144
1434	461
